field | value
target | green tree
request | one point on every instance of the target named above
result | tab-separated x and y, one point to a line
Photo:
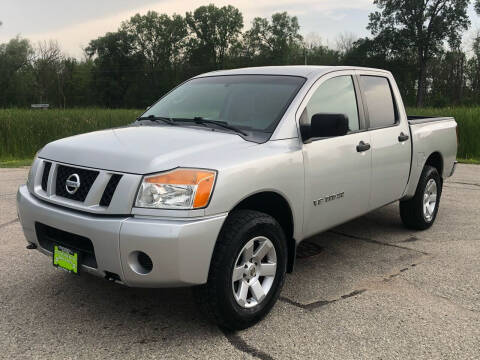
118	68
80	91
15	72
215	31
421	27
473	72
159	40
74	83
274	42
157	37
371	53
46	68
449	82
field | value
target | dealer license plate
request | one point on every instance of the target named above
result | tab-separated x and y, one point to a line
66	259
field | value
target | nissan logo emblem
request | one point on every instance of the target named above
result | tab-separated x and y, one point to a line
72	184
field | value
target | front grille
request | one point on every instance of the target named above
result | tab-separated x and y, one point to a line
46	172
110	190
87	178
49	236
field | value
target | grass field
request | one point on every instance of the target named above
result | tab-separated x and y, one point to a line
23	132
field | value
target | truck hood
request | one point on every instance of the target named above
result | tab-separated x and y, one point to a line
145	149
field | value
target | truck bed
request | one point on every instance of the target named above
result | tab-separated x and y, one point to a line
431	135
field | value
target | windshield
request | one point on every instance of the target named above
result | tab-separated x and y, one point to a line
249	102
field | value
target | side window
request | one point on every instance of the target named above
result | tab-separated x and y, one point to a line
337	96
378	96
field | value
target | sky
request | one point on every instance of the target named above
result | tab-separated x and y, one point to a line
73	23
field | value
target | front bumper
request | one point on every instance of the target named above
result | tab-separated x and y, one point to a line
180	249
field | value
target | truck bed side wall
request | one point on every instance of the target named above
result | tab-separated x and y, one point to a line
428	138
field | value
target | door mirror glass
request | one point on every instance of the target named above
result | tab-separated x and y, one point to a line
327	125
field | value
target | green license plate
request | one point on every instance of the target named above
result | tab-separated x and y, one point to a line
65	259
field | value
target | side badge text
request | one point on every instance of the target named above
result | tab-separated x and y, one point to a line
328	198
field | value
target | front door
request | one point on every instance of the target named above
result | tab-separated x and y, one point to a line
337	169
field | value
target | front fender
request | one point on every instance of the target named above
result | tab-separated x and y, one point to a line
276	166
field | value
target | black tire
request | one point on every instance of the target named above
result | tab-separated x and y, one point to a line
411	211
216	298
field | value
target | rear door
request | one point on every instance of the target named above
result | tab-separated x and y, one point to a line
390	137
337	171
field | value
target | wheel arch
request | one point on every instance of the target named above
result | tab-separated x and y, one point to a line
277	206
435	159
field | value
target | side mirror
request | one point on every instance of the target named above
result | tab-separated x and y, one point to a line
148	107
325	125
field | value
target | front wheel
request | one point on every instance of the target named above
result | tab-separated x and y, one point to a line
247	270
420	211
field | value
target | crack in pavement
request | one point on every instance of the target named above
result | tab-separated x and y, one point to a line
391	276
241	345
8	223
320	303
376	242
410	239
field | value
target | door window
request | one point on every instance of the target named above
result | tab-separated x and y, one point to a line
335	96
378	96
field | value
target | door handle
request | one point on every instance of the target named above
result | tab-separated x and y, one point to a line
362	146
403	137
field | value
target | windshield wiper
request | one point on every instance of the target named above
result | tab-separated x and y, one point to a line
196	120
157	118
200	120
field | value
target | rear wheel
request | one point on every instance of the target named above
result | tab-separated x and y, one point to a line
247	270
420	211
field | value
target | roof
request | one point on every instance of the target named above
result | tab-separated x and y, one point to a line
306	71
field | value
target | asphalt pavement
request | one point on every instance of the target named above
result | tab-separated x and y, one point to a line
369	289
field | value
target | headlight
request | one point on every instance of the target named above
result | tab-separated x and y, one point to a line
177	189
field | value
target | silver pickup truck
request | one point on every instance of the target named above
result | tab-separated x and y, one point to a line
217	183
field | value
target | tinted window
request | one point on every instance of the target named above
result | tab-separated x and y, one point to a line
337	96
378	97
250	102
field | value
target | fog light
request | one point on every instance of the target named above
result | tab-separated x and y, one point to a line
140	262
